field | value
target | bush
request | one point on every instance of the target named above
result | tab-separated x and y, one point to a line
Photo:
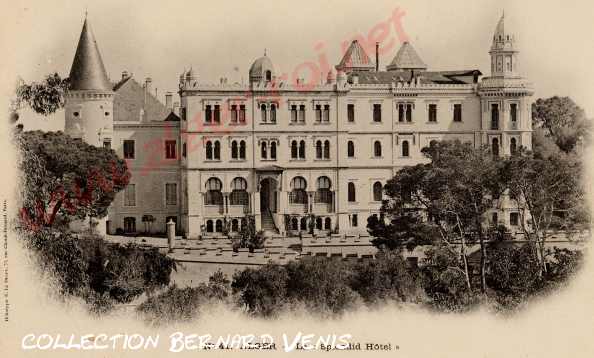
322	285
388	277
184	304
513	270
565	263
98	271
261	291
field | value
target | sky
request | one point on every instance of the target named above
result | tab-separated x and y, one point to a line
223	38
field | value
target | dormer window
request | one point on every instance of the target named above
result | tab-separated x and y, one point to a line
268	76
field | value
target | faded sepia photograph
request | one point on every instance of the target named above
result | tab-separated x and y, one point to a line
391	178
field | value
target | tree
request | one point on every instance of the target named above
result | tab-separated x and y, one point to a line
562	119
65	178
549	193
44	97
445	200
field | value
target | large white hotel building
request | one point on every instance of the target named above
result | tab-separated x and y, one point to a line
282	151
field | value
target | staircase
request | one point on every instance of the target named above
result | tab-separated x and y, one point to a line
268	222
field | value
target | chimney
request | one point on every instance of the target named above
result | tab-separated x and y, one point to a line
376	56
125	74
169	100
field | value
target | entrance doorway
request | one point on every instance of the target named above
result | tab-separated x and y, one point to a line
268	194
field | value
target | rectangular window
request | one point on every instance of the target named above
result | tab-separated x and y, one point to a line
107	144
233	114
433	112
377	112
242	113
514	219
302	113
409	112
318	113
351	112
293	113
208	114
217	113
457	112
183	113
129	149
354	220
401	112
494	116
130	195
171	194
513	112
184	150
326	113
170	149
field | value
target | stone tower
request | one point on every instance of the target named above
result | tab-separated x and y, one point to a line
89	102
505	97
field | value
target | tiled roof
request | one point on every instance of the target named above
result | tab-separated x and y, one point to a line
406	58
130	98
436	77
87	71
355	58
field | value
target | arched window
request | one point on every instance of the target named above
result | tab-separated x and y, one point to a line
234	150
263	150
405	150
351	192
209	150
327	149
327	224
263	111
273	150
209	226
377	191
319	149
298	194
219	226
512	146
294	149
495	147
217	150
294	224
377	148
234	225
239	194
350	149
304	224
319	223
302	149
242	149
273	113
213	192
323	193
268	76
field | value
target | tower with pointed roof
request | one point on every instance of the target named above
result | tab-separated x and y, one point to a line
89	101
506	97
504	54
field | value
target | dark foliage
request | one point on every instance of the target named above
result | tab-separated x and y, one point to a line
262	291
184	304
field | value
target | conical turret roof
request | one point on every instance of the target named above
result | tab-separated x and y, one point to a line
355	59
87	71
406	59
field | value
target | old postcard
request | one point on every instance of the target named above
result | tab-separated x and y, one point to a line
259	178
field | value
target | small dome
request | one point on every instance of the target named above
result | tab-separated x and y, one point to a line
261	70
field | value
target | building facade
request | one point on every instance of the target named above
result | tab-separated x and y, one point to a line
293	154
